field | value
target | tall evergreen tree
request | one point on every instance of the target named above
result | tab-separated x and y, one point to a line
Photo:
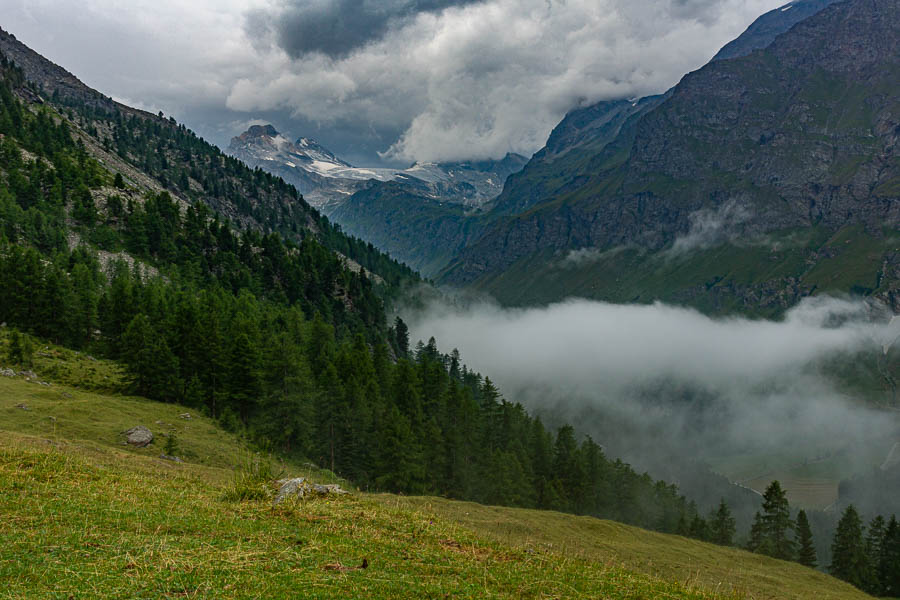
875	534
151	364
849	559
769	533
806	551
401	331
889	562
722	525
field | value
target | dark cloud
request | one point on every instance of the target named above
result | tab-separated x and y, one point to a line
389	80
338	27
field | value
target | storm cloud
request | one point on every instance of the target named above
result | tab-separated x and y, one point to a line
393	81
337	28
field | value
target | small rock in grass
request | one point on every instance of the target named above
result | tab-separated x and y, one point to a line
23	406
185	415
7	372
172	458
299	487
139	436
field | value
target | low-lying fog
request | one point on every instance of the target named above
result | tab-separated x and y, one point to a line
651	382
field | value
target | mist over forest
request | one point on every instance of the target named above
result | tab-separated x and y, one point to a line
668	387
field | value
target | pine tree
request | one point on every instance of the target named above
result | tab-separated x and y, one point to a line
776	523
400	460
20	351
245	385
171	448
874	548
699	528
849	560
566	467
806	553
722	525
889	562
755	543
402	333
151	364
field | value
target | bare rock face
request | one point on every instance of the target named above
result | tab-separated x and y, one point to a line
139	436
300	487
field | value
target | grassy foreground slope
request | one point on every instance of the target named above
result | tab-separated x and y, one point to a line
85	516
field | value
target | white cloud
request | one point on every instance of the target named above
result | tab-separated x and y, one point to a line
452	82
711	227
642	376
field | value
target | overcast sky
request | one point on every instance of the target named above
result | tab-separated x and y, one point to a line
380	80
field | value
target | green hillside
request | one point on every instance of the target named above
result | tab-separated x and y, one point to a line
763	276
86	516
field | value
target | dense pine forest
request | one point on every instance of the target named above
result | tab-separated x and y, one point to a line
254	318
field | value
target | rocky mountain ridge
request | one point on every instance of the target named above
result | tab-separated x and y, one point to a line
802	134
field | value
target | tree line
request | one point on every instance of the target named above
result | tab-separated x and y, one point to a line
866	557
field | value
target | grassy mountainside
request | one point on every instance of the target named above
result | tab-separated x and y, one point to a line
86	516
761	276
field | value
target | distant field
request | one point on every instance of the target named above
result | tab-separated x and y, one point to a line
801	492
810	478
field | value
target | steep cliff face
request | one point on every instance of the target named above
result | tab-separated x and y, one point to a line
802	134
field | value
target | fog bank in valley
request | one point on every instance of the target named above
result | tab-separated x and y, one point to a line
651	382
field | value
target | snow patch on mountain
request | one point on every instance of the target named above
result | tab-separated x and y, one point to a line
326	180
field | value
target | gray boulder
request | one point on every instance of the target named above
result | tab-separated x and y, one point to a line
139	436
300	487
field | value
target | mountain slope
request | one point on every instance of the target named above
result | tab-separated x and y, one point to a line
155	154
420	231
121	505
279	339
800	135
763	31
420	215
